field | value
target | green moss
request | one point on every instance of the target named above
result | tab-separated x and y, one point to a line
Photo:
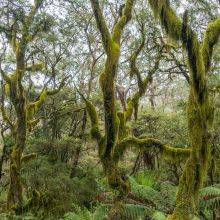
92	112
168	18
200	113
28	157
129	110
35	67
122	126
176	154
114	123
32	123
118	27
95	133
33	107
210	39
147	143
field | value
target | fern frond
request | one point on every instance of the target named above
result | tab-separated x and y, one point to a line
134	212
210	198
158	216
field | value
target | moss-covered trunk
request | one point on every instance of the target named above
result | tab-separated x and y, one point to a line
200	110
196	166
20	35
111	44
15	198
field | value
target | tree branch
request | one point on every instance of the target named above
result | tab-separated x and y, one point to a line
146	144
95	131
123	20
102	26
210	39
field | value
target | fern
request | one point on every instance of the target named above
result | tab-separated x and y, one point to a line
4	216
84	214
144	192
101	212
163	200
210	198
158	216
134	212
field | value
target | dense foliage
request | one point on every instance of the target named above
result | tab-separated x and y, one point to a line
110	110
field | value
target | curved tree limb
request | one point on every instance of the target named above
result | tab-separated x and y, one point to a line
146	144
123	20
210	39
102	26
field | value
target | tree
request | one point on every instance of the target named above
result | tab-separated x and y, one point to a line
22	30
200	109
114	143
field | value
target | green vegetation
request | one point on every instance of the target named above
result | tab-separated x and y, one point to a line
109	110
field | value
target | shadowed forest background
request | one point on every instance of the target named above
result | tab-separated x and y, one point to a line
110	110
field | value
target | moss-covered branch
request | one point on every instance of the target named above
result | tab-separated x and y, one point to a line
149	143
210	39
95	131
33	107
93	115
123	20
133	102
55	91
35	67
168	18
5	76
102	26
195	61
28	157
133	58
3	111
32	123
6	118
111	45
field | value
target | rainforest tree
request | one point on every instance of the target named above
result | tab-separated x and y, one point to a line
21	31
114	141
113	144
200	106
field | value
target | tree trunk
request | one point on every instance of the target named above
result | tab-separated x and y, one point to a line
196	166
75	162
2	160
15	199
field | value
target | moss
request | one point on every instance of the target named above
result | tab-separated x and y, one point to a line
147	143
200	111
7	89
28	157
35	67
210	39
33	107
123	20
115	53
118	27
129	110
114	123
176	154
15	200
95	132
133	103
92	112
122	126
168	18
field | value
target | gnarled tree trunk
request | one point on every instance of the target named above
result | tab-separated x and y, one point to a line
200	110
